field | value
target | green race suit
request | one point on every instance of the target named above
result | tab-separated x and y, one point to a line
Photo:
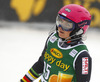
60	60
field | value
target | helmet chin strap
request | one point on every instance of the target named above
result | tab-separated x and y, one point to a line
80	31
77	33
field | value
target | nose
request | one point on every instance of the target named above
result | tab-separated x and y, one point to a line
60	28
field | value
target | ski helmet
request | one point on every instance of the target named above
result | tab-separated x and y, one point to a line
74	18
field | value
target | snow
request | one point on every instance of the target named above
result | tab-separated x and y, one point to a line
20	48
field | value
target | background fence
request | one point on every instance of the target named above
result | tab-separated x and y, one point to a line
43	10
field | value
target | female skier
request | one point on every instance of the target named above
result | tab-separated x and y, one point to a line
65	57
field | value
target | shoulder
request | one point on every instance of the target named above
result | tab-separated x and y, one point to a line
53	34
52	37
82	55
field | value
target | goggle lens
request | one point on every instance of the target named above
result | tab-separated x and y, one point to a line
65	23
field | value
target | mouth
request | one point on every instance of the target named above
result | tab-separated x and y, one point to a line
61	32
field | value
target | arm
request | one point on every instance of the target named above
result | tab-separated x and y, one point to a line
83	67
36	70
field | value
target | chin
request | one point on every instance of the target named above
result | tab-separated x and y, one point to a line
61	36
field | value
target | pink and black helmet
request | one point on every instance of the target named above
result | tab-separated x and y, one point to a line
78	14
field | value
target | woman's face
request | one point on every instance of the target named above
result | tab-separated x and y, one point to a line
63	34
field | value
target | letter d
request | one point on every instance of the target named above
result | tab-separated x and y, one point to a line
58	63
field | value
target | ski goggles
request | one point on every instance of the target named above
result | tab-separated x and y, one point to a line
64	23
